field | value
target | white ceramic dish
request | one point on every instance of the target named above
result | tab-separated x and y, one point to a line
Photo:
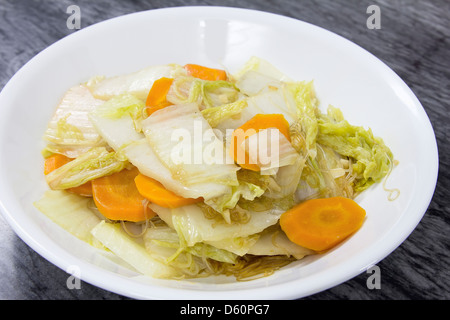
345	75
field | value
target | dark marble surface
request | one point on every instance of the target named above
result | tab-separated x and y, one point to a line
413	41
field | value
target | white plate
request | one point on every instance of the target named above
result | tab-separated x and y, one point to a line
345	75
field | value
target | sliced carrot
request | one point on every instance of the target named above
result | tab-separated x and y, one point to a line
57	160
84	190
253	126
117	197
157	96
155	192
205	73
321	224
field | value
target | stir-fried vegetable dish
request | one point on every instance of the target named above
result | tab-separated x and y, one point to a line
187	171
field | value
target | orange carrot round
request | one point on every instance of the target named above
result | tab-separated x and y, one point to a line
117	197
155	192
321	224
257	123
57	160
205	73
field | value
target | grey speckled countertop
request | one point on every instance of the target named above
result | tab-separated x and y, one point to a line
413	41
